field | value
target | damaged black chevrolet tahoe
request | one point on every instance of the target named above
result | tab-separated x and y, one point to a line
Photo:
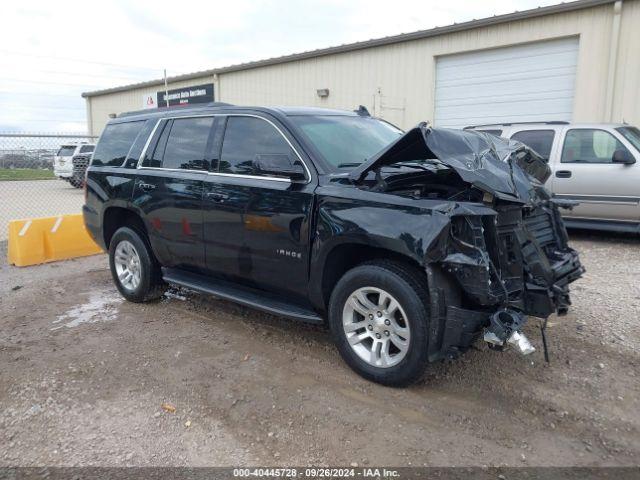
409	245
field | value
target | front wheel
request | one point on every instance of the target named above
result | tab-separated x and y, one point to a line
378	315
134	269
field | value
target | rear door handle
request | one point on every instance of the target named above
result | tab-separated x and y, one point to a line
216	197
146	186
563	173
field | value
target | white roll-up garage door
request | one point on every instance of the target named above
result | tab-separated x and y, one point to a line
531	82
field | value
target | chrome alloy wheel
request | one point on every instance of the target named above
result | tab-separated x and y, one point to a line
376	327
127	263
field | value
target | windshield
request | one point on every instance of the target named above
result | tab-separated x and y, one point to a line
66	150
632	134
346	141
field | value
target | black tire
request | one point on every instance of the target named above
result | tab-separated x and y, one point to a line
409	287
76	182
151	286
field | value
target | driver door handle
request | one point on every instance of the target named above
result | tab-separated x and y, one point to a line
216	197
563	173
146	186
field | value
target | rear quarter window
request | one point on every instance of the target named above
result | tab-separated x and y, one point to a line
115	142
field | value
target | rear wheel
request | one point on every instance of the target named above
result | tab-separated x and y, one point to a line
134	269
378	314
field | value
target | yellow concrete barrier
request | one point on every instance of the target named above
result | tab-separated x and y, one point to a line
40	240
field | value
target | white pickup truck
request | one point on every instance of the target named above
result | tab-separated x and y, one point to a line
595	164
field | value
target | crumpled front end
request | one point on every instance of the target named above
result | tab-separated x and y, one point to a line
493	269
516	259
507	267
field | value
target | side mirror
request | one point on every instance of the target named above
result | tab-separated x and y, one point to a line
623	156
279	165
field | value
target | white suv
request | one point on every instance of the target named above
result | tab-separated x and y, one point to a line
595	164
63	160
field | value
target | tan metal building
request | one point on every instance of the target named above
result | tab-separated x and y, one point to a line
577	61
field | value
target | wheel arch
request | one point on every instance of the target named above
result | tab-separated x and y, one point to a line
115	217
341	258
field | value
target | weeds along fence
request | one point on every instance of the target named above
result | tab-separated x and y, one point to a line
28	185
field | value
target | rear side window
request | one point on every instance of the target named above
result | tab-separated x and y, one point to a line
539	140
86	149
245	138
66	150
155	160
115	142
138	146
187	144
587	145
497	133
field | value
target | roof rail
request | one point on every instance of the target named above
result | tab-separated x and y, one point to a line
508	124
175	107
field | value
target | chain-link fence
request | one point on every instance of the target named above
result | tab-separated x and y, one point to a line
37	175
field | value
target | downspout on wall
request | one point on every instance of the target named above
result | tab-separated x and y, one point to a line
613	60
216	88
89	116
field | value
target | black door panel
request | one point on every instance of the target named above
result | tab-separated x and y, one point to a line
257	231
169	189
256	227
173	215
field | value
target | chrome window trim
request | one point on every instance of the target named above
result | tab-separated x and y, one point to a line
204	172
221	174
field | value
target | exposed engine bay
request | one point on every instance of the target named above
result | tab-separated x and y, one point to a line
510	259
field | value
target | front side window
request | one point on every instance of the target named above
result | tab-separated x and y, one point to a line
245	140
187	144
632	134
115	142
86	149
586	145
346	141
539	140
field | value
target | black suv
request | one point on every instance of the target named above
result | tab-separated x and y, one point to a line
410	245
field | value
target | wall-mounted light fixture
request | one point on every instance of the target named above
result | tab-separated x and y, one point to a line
112	115
323	92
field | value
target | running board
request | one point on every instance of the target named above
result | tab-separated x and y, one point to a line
243	295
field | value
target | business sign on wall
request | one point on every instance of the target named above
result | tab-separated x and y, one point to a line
186	95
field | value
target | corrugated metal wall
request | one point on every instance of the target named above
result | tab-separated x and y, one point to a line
626	93
397	81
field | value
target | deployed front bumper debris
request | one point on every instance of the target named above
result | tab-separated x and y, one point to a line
504	246
505	328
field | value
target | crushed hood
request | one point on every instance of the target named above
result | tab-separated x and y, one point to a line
502	167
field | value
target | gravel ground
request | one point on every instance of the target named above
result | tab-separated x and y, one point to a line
84	376
38	198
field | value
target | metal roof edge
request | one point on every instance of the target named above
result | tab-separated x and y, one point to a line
376	42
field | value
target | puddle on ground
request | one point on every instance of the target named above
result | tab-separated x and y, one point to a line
101	307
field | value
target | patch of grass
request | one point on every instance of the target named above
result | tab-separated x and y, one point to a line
7	174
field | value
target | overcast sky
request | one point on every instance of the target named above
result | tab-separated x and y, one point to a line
51	51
